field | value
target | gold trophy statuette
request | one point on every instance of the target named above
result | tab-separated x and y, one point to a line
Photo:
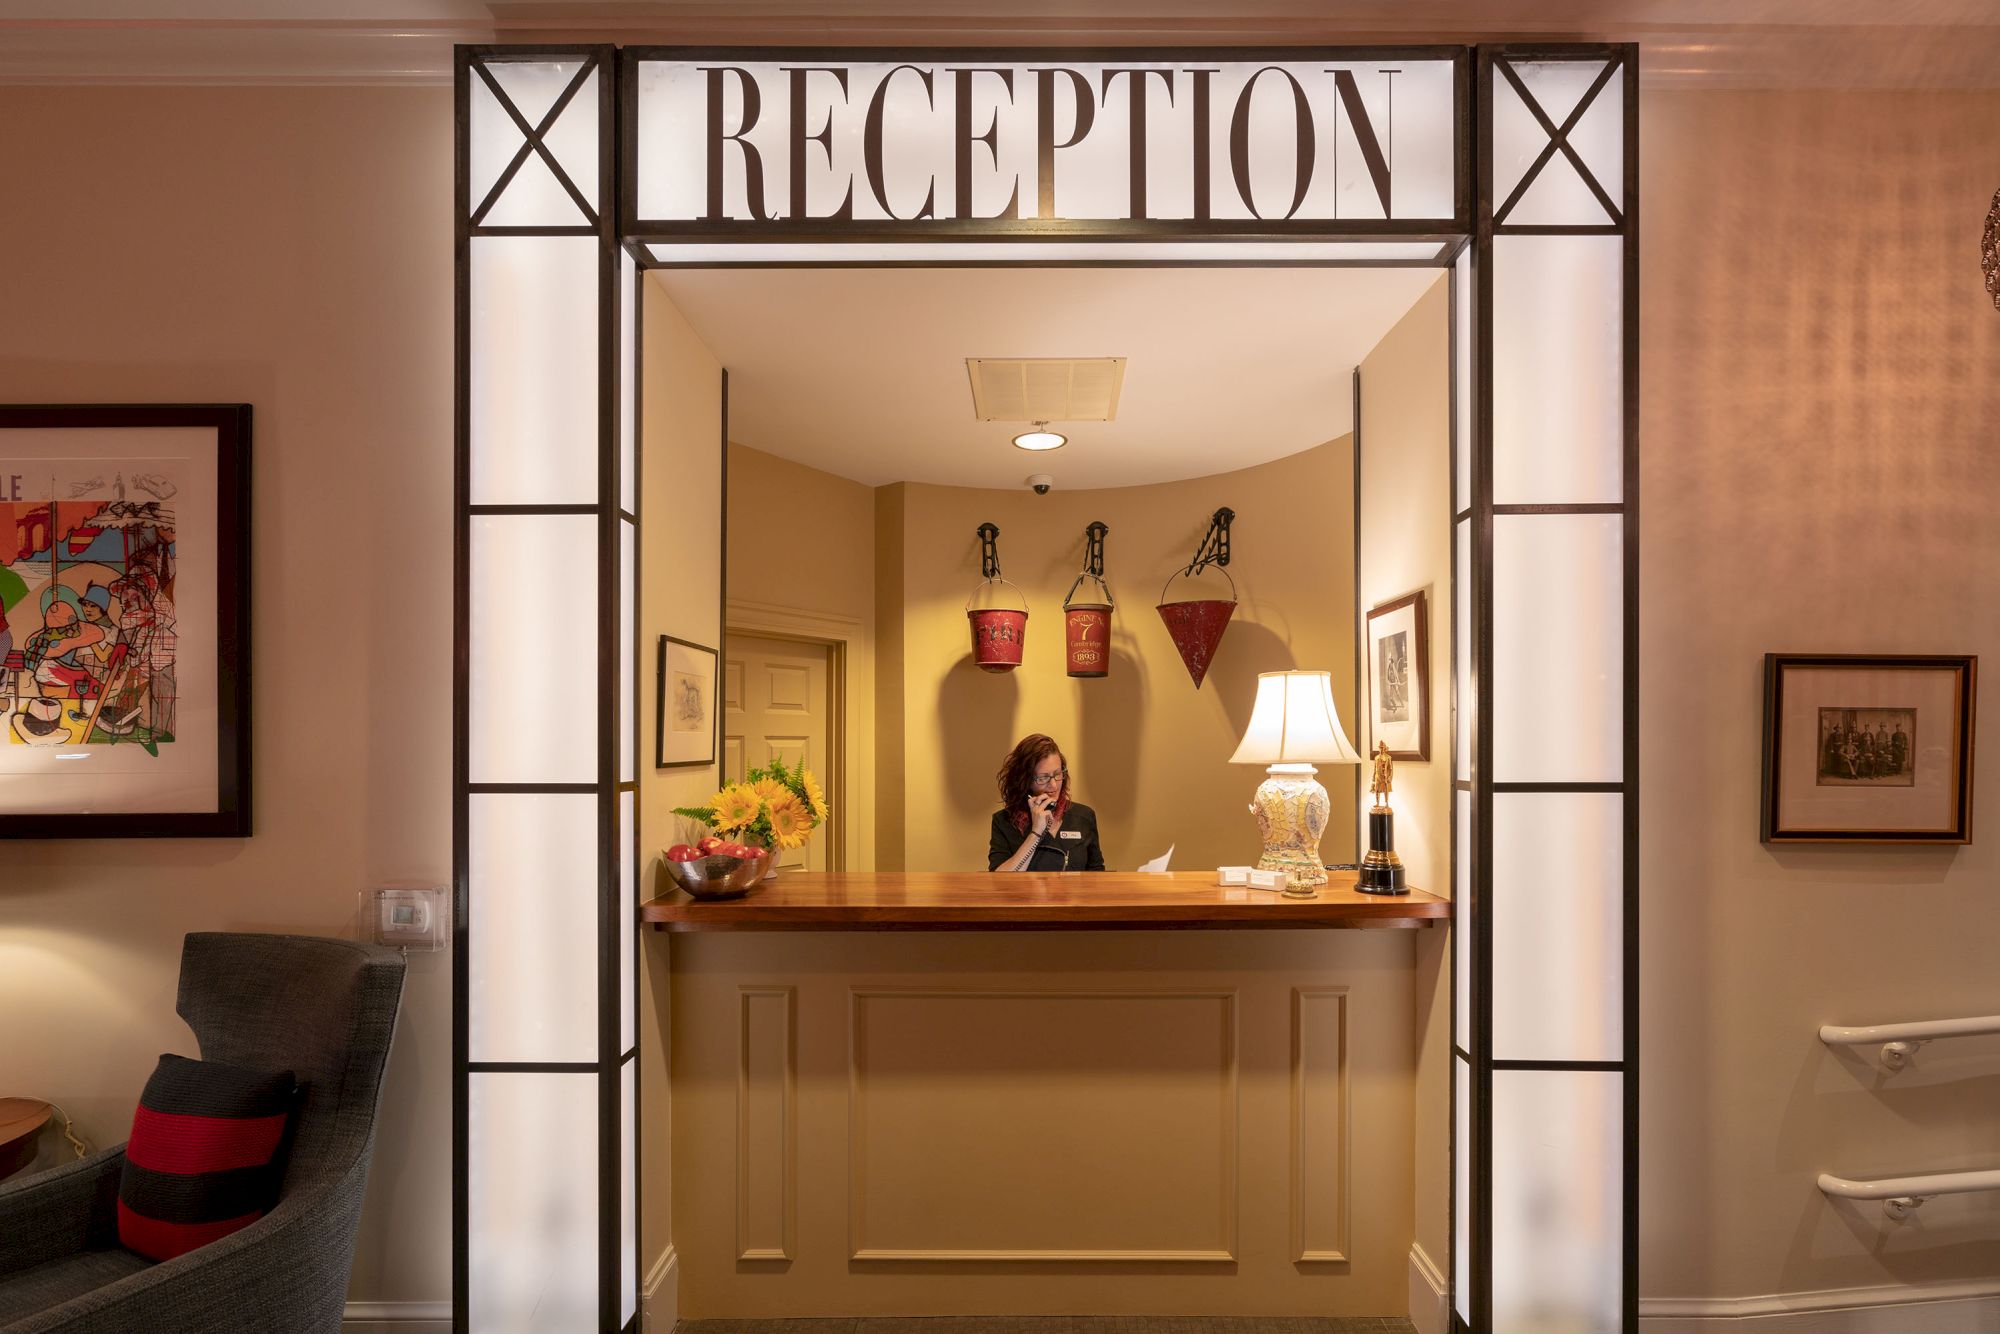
1381	869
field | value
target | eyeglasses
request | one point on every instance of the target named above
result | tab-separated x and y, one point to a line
1048	780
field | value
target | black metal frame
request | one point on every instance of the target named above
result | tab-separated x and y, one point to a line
231	424
1490	221
608	786
1474	224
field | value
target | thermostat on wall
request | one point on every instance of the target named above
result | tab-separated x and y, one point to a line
415	919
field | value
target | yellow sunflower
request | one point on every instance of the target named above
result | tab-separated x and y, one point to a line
769	790
814	796
790	822
734	807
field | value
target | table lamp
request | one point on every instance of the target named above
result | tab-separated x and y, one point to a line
1293	726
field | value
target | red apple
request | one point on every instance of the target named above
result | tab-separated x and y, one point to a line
708	843
681	852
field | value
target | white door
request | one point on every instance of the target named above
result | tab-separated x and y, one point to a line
776	706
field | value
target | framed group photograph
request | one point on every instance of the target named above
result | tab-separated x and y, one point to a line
1399	676
1868	748
688	720
124	620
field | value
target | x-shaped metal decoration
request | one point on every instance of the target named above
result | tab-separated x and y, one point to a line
1558	140
532	135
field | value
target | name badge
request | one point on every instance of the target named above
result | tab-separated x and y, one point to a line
1069	833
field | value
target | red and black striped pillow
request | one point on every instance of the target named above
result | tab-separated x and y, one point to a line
204	1156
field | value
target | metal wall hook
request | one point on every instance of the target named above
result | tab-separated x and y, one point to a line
1214	548
1093	548
989	550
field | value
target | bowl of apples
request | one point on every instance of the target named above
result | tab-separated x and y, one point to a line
716	868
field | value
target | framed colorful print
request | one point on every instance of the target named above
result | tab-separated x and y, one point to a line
124	621
1871	748
1399	676
688	719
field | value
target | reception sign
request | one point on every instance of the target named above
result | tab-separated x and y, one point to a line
1008	144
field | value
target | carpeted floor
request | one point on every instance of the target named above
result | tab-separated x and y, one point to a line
1059	1324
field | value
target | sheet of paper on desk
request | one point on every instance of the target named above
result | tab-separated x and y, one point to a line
1159	863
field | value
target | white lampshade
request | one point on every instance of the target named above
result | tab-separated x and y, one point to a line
1294	722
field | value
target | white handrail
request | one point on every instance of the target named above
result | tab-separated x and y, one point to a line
1900	1041
1902	1195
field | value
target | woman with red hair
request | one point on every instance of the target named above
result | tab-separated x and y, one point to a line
1038	828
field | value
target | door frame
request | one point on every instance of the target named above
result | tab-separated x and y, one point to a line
850	683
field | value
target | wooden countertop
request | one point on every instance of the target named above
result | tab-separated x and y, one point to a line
1074	900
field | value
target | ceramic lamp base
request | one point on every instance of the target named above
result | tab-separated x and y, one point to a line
1291	809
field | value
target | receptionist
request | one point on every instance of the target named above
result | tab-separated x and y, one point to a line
1038	828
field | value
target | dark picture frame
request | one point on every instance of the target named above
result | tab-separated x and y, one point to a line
1868	748
683	683
163	575
1398	653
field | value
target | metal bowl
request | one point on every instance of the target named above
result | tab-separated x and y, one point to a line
718	877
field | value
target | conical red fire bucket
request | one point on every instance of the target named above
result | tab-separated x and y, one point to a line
1197	625
1087	629
998	633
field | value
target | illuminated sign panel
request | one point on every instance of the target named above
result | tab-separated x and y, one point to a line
1011	144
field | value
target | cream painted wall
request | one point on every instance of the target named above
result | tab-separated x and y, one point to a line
802	549
289	248
1819	411
1406	546
680	471
1148	751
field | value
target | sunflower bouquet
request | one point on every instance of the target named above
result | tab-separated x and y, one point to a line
779	806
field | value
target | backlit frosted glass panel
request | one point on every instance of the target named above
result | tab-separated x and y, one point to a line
628	1191
628	383
1558	650
533	370
532	701
1466	703
532	85
1461	922
1558	366
572	140
1462	387
1461	1218
628	571
1557	192
532	882
532	1169
1599	139
1558	883
534	198
628	916
1557	1232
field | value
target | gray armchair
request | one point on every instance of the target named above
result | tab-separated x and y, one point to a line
325	1009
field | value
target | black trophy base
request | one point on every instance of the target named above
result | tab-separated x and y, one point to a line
1381	869
1382	878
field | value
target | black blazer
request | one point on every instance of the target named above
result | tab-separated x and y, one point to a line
1078	852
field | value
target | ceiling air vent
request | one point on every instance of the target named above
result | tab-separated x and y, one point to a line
1045	389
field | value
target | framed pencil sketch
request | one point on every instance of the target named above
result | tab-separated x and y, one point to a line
1399	676
124	621
1868	748
688	720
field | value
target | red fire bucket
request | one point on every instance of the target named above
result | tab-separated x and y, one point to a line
998	633
1087	629
1197	625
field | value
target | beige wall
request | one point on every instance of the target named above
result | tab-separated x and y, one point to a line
289	248
802	566
1820	474
680	583
1406	546
1147	750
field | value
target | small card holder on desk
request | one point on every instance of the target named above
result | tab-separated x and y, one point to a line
1249	877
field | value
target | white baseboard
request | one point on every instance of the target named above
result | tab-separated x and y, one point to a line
396	1318
1970	1306
1428	1311
659	1299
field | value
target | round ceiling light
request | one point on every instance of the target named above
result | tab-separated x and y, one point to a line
1040	438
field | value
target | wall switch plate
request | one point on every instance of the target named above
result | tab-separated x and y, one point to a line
415	919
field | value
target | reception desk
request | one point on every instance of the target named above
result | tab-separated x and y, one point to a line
965	1094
